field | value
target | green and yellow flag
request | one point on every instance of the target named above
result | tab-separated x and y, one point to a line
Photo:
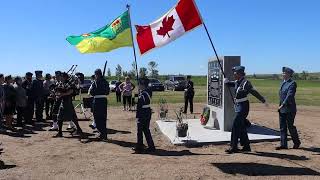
112	36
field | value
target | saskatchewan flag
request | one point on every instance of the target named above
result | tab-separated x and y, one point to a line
112	36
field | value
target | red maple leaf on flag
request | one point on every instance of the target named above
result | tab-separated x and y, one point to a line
167	24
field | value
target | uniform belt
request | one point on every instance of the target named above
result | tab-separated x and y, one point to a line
100	96
241	100
145	106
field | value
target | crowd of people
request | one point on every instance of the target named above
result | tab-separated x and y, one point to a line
55	96
21	96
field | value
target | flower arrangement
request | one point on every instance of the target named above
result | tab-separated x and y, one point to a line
205	116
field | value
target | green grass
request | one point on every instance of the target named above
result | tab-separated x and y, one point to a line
308	92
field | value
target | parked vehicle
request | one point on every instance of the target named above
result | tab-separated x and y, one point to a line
155	85
175	83
85	86
112	85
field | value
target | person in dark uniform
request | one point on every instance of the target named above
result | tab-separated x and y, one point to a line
66	110
143	116
10	101
188	95
287	110
99	90
47	85
57	101
38	95
29	110
239	129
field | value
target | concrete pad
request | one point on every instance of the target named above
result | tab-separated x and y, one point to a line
200	135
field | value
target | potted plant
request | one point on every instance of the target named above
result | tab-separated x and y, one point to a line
163	108
182	128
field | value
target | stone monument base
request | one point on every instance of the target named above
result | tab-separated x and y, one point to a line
198	135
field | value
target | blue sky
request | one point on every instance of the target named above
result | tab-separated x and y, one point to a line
268	34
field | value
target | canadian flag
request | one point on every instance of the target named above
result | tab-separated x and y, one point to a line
179	20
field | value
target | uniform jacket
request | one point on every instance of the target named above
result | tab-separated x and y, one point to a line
189	89
243	87
37	89
143	106
99	87
287	94
21	97
27	86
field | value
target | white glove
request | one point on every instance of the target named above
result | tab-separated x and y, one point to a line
226	80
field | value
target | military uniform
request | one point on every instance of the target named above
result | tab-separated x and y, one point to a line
239	129
288	111
38	95
188	96
29	110
143	116
99	90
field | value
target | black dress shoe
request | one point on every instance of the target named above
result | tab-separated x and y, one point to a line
138	150
281	147
296	146
151	150
246	149
231	151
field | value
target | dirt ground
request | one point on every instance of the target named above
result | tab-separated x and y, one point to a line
34	154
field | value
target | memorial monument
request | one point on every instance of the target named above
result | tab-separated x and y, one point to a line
220	97
221	111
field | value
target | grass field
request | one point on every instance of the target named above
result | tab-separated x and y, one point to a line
308	92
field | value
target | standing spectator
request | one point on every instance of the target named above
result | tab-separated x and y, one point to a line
118	90
10	101
188	95
126	88
47	86
38	93
21	100
29	110
2	97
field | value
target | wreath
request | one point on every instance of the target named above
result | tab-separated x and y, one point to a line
205	116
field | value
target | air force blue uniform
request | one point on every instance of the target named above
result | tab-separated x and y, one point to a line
99	90
143	116
288	112
243	87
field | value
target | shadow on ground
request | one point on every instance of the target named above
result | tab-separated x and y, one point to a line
5	166
26	131
312	149
279	156
257	169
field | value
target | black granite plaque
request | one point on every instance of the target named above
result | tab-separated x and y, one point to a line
215	84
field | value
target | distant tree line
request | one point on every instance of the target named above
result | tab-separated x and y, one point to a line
150	71
304	75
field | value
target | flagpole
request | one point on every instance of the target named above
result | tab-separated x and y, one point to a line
134	49
215	52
